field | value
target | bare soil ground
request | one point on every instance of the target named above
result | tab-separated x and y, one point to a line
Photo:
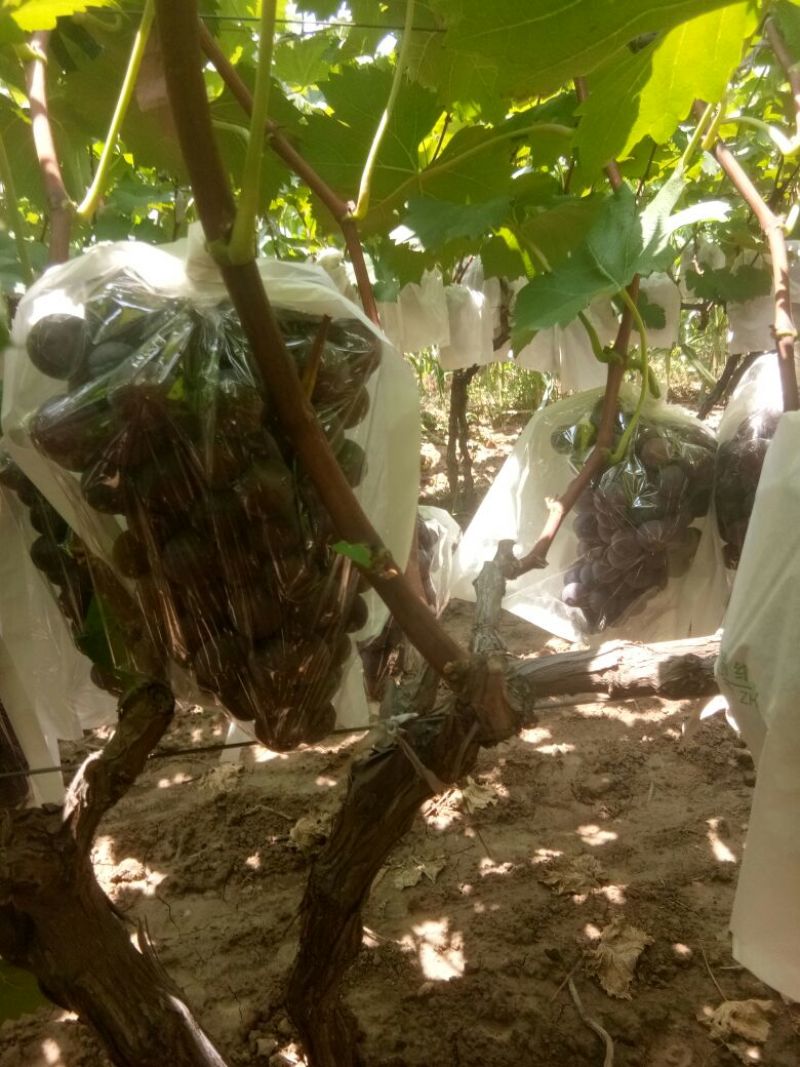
621	815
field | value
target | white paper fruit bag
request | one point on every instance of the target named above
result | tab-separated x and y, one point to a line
759	674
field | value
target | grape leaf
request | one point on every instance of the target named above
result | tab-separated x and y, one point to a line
336	143
647	93
31	15
653	315
362	555
788	19
435	222
562	224
523	49
724	285
501	260
620	243
304	62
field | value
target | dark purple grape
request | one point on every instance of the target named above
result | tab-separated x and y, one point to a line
56	345
604	573
574	594
46	520
573	573
656	452
585	526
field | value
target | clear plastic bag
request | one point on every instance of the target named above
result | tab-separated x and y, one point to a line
626	563
745	431
438	535
134	403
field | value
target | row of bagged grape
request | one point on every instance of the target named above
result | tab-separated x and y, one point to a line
222	563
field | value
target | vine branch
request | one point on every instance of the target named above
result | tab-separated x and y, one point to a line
58	199
772	228
339	208
88	205
178	26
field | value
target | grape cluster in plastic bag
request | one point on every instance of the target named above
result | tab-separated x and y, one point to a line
221	561
636	522
738	470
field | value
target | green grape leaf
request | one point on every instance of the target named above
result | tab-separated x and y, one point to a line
724	285
647	93
621	242
10	273
31	15
653	315
500	259
517	50
562	224
336	143
788	19
304	62
434	222
361	555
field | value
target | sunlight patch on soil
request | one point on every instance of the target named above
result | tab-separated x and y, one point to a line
440	952
593	835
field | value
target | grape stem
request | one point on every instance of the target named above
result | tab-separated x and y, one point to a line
597	460
14	215
243	239
94	193
58	199
772	228
340	209
625	440
178	25
362	203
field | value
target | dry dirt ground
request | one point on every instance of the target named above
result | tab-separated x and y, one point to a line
599	848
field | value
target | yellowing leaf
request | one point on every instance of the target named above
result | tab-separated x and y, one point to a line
31	15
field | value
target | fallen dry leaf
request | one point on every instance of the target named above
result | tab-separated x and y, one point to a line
748	1019
412	873
614	959
478	796
577	874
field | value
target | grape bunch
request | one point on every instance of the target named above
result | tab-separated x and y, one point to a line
221	541
738	469
77	579
635	523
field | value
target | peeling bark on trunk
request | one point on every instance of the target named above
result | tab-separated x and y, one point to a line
56	922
